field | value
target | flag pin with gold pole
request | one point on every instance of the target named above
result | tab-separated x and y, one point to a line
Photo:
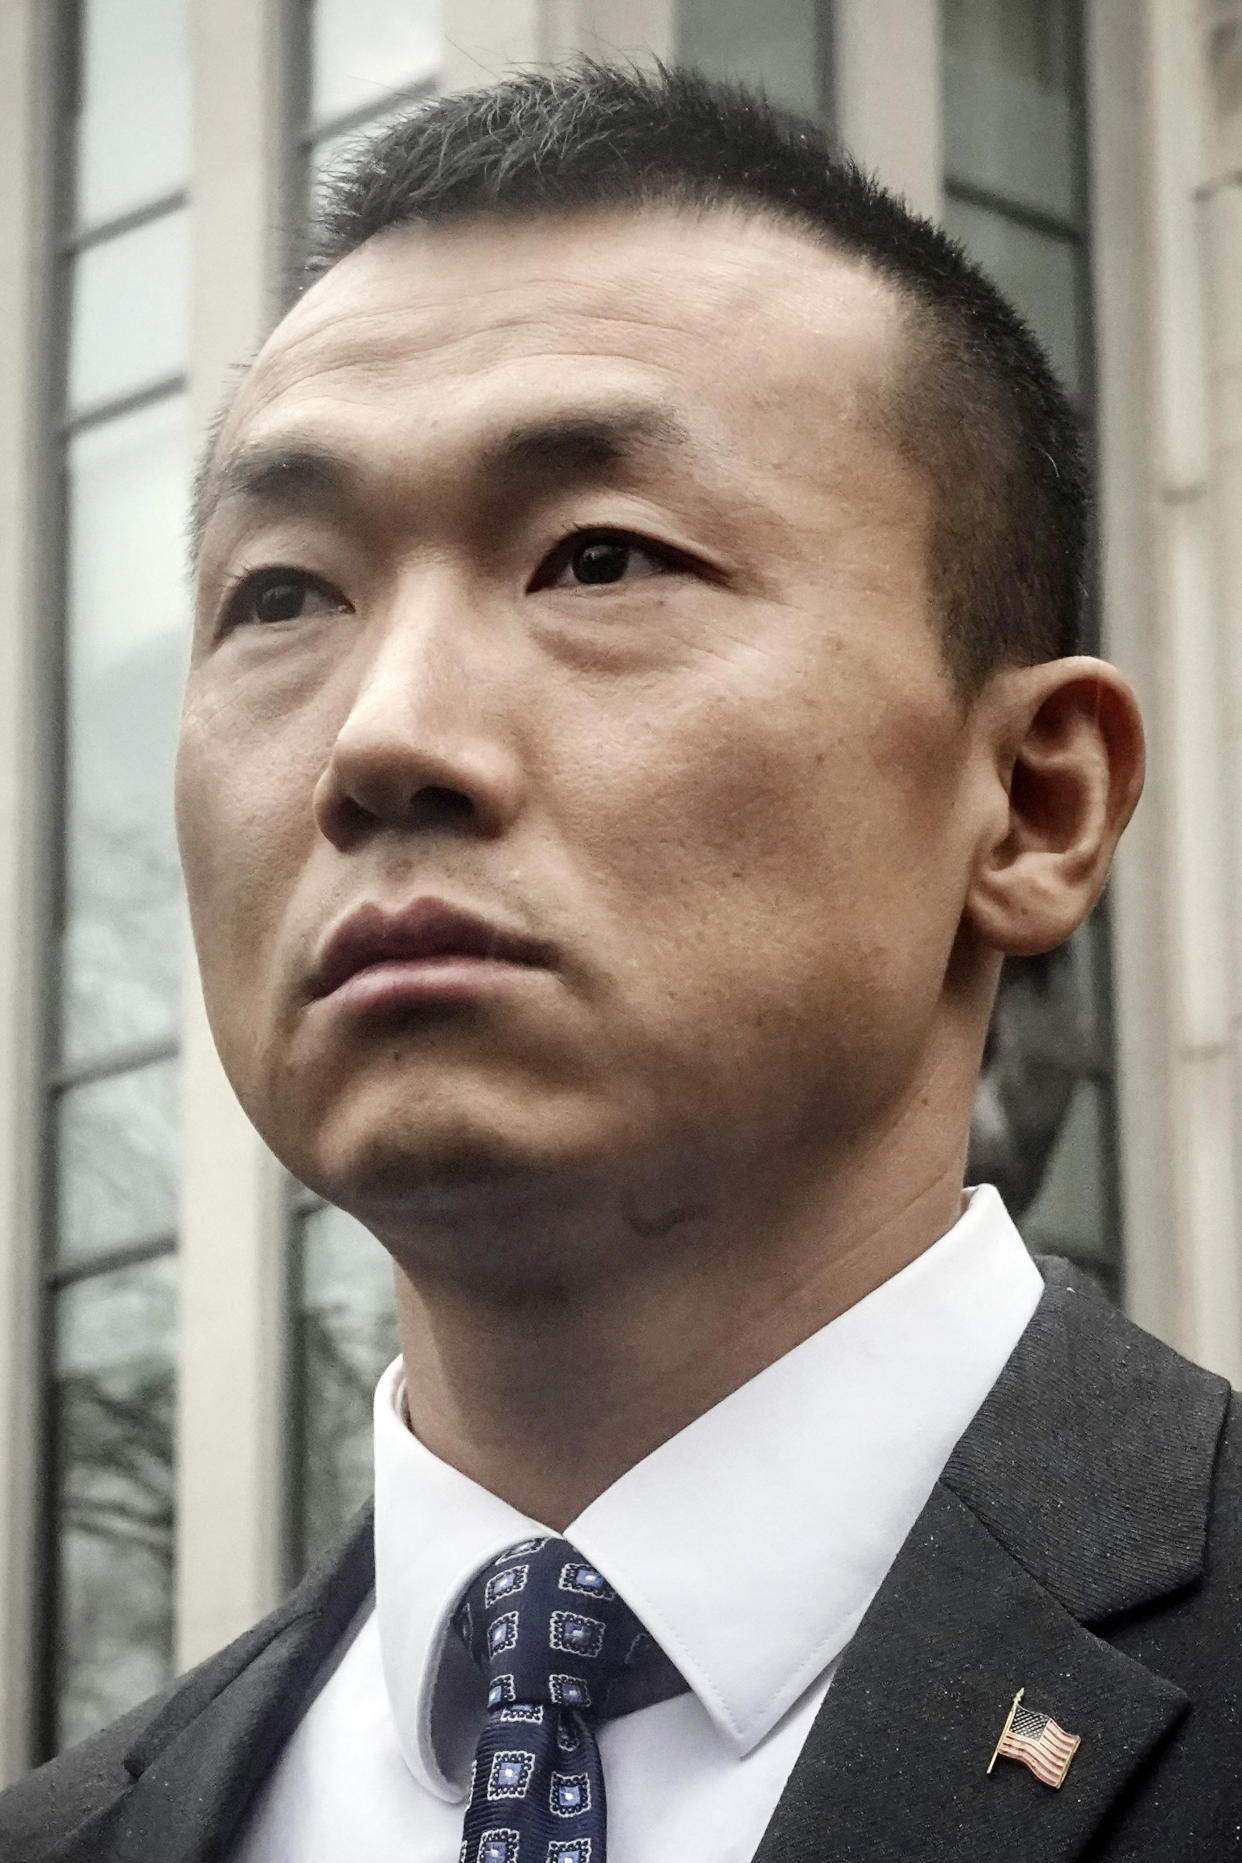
1037	1743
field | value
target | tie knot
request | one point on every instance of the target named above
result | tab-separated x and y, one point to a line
544	1625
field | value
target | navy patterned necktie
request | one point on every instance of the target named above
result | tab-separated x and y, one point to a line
561	1652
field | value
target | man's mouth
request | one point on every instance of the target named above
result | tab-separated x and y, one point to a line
427	950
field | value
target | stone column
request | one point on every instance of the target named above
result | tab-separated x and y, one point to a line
230	1467
1172	621
25	263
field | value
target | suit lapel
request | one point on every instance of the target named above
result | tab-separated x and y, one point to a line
896	1765
199	1762
1079	1491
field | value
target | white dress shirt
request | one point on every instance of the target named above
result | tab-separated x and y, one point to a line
750	1545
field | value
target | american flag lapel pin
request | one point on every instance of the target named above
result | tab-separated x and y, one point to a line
1037	1743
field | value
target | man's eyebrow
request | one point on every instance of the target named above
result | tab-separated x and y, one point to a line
571	442
289	476
584	440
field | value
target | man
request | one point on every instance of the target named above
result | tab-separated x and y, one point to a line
633	712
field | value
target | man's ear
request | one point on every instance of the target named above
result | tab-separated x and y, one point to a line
1068	745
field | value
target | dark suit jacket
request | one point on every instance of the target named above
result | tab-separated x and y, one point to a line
1084	1543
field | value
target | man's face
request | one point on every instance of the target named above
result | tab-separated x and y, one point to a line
562	576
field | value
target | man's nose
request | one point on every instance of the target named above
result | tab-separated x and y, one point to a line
424	743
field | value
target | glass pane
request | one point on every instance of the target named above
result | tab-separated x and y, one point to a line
1036	41
117	1161
1012	101
1040	1043
775	46
128	637
1040	273
347	1333
130	311
134	130
364	49
1069	1215
113	1430
1011	139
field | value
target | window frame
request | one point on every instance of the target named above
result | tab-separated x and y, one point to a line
58	1075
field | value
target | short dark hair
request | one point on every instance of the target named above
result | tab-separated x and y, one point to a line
978	407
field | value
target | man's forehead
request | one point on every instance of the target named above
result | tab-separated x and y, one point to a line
656	307
650	284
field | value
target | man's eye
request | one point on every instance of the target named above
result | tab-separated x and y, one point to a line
596	558
281	595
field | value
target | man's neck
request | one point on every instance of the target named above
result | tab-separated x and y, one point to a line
547	1394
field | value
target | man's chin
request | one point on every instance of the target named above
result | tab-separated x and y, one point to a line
477	1209
450	1165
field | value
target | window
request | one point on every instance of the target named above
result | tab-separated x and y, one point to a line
781	47
1015	155
1016	196
112	1113
114	1492
366	61
365	51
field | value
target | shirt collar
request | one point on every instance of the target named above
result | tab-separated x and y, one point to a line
801	1485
